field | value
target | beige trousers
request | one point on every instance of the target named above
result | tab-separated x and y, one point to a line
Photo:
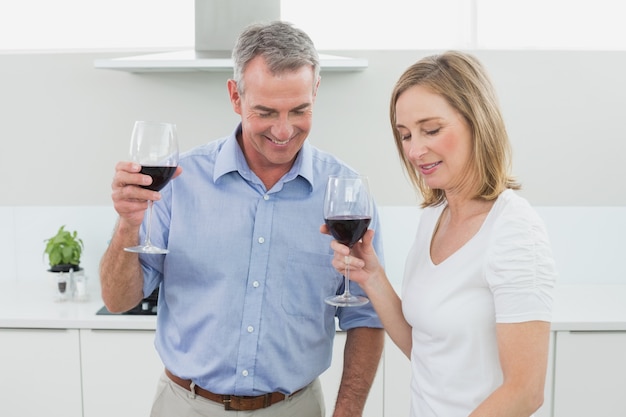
172	400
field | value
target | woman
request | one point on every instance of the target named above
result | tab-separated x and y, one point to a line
476	304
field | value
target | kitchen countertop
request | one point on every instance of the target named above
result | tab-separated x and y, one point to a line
32	304
590	307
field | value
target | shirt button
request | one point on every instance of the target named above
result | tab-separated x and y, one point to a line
256	284
266	197
244	372
261	239
250	329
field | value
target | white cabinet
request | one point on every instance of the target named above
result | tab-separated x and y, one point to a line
590	374
103	373
546	409
120	371
398	377
40	373
332	377
98	373
121	368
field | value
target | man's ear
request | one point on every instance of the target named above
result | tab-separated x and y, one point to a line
317	85
233	93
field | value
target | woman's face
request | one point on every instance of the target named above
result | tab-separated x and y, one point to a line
436	139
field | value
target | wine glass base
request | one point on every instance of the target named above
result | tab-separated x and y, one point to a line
146	249
346	300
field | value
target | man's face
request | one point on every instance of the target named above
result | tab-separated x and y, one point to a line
276	114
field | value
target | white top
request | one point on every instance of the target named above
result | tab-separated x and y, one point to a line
504	274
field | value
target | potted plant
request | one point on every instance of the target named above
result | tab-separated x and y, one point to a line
64	251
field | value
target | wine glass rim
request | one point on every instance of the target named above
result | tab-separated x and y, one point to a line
151	122
154	122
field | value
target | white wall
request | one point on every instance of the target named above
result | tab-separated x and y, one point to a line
65	124
589	243
24	229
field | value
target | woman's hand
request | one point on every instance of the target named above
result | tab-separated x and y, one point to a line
362	261
366	270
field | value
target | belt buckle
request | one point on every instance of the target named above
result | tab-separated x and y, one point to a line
226	402
239	405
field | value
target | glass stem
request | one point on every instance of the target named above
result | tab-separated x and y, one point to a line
346	279
148	242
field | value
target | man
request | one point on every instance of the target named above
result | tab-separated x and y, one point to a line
242	323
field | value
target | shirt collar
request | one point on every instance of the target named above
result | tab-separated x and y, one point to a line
231	158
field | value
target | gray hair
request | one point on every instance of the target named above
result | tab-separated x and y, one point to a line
284	48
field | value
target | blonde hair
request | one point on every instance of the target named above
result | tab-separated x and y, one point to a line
463	82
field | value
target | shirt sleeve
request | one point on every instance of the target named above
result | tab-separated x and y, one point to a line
520	267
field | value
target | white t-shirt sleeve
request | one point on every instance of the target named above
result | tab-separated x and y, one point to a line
520	267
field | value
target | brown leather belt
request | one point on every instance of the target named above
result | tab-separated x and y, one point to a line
232	402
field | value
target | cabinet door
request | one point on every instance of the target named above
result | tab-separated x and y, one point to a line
397	380
40	373
398	377
121	369
332	377
546	409
590	374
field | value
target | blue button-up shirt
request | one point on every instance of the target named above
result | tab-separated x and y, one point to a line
241	305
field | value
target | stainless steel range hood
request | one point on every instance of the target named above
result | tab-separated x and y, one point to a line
217	25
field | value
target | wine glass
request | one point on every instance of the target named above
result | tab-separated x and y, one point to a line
347	213
62	286
154	145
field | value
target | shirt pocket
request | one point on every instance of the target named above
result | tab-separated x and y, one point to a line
309	278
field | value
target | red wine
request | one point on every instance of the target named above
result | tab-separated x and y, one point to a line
348	229
160	176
